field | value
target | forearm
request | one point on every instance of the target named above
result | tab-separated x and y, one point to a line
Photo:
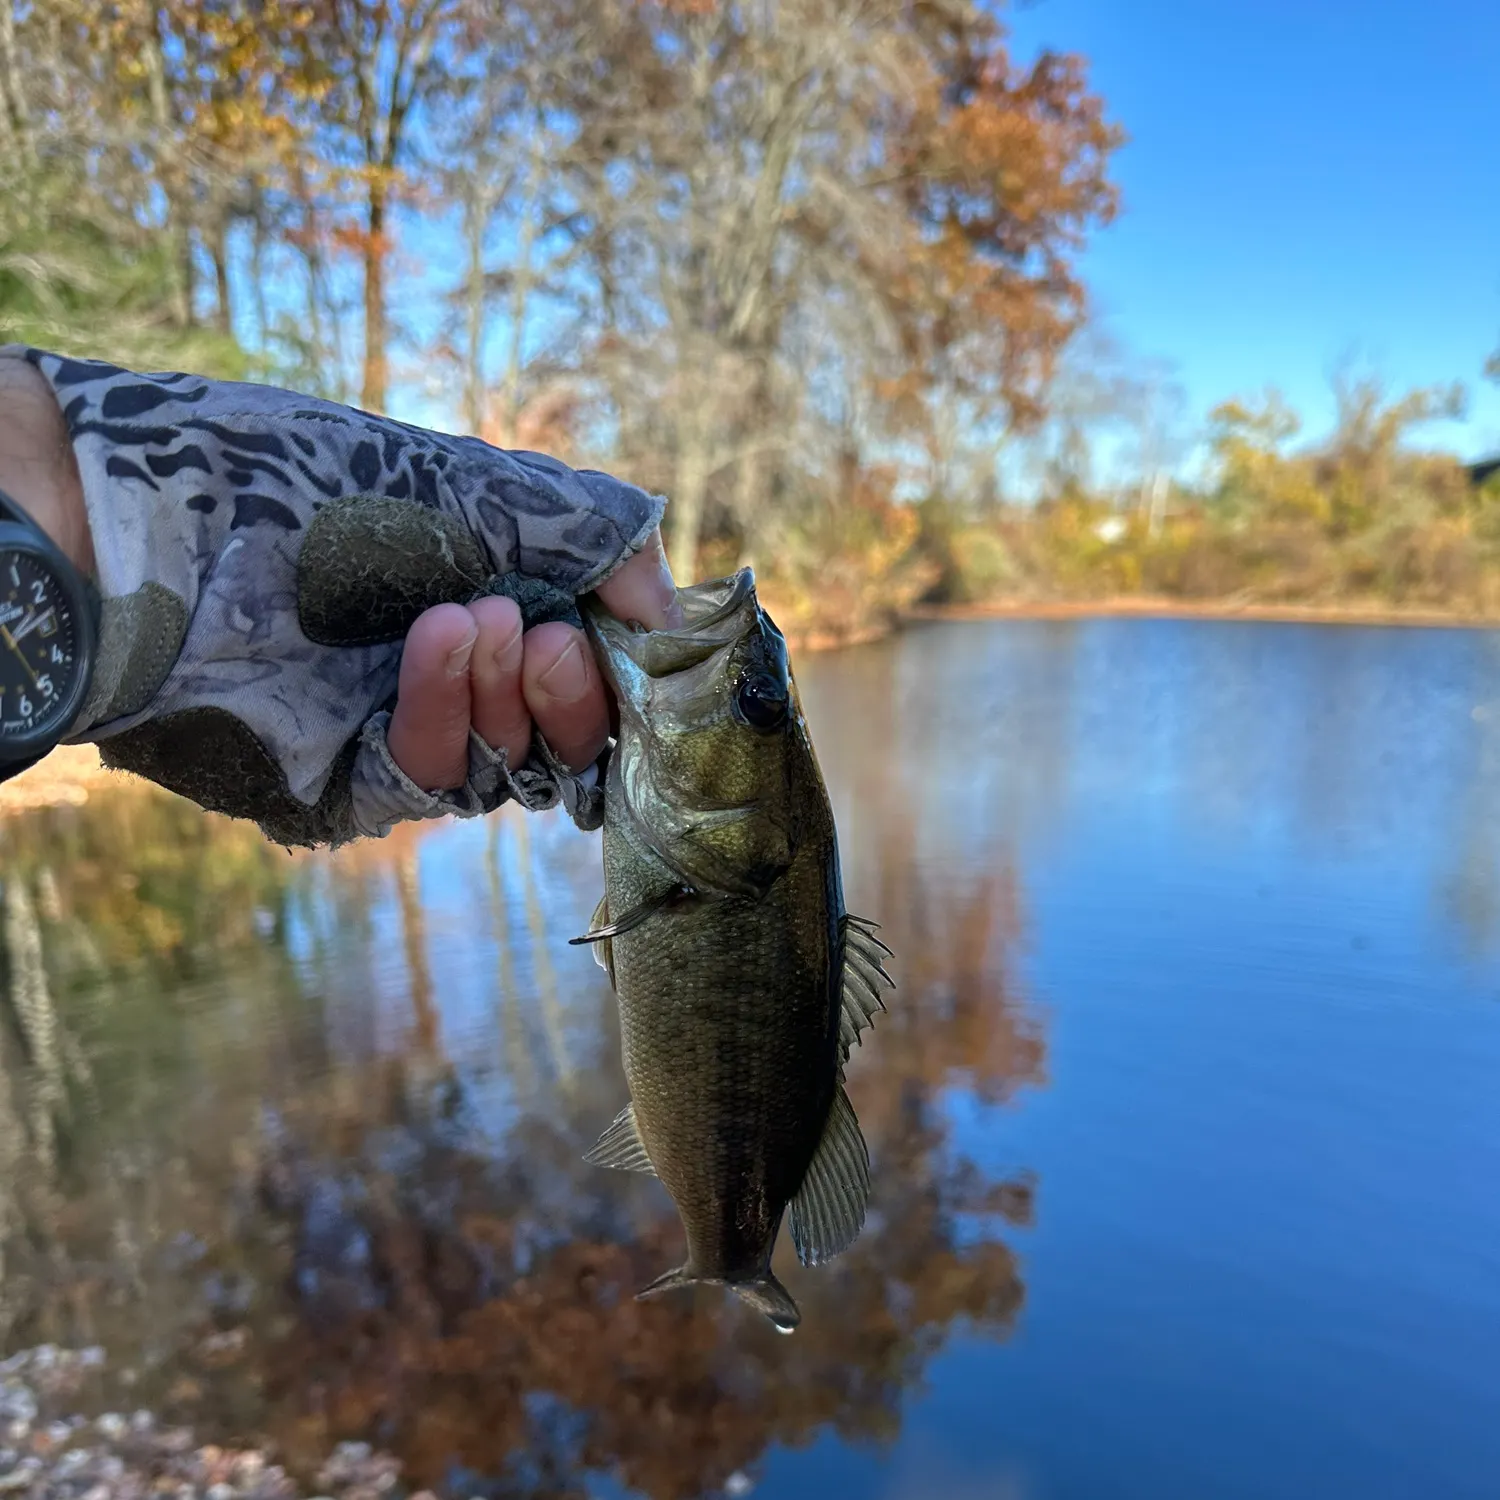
261	556
37	466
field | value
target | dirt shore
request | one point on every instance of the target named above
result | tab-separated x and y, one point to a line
66	778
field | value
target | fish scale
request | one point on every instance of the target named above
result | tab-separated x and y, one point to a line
742	983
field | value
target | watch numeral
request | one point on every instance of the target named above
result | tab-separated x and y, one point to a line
25	706
44	685
57	656
38	591
15	576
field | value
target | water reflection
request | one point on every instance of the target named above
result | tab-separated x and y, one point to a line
1190	924
301	1137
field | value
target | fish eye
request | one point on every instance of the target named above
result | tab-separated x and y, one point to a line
760	701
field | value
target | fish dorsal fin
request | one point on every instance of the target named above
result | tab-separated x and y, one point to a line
864	973
621	1146
829	1209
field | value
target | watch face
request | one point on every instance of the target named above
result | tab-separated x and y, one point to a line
41	651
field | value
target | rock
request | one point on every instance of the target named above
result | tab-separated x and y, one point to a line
18	1402
249	1466
20	1477
110	1426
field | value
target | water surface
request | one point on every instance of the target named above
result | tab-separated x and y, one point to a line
1185	1121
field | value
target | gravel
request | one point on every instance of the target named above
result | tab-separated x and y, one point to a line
50	1453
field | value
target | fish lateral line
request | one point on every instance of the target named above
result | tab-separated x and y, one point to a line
673	896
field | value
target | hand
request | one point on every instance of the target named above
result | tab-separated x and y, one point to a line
273	569
471	665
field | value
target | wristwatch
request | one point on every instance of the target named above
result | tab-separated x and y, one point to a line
49	632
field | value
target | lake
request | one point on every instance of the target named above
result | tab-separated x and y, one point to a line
1185	1122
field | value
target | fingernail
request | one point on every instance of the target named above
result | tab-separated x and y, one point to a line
508	653
458	657
567	677
666	591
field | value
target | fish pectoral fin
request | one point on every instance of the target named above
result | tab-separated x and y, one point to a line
863	975
674	895
829	1209
621	1146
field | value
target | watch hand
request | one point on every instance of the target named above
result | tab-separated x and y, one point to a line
16	650
33	621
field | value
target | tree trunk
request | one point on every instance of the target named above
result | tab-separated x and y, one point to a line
522	277
178	230
377	366
478	213
686	509
223	312
13	113
749	500
258	274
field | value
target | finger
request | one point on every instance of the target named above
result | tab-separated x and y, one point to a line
429	730
565	693
498	711
642	589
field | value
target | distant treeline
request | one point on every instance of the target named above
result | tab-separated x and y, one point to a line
1364	519
741	253
810	267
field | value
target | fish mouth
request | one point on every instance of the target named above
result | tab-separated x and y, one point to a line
716	613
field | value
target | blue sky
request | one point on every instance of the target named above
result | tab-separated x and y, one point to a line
1303	180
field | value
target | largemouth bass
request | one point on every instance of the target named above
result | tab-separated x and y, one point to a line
742	982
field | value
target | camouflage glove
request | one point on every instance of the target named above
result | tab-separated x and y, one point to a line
261	556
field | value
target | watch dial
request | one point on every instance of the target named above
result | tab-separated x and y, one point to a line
39	655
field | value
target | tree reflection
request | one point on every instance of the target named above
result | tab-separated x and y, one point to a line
487	1323
300	1219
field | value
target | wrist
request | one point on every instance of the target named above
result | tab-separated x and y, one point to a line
37	466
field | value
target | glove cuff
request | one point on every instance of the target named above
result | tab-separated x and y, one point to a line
384	795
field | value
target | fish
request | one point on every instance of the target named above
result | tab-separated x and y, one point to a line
741	980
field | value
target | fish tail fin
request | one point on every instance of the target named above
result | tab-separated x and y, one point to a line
767	1295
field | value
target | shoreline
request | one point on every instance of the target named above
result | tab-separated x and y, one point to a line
1131	606
66	778
72	773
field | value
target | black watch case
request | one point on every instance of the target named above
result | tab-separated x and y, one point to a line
22	539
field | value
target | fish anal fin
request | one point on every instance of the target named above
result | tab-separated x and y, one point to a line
621	1146
828	1211
863	975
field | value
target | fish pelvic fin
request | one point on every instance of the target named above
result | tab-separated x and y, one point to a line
764	1293
621	1146
863	976
828	1211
